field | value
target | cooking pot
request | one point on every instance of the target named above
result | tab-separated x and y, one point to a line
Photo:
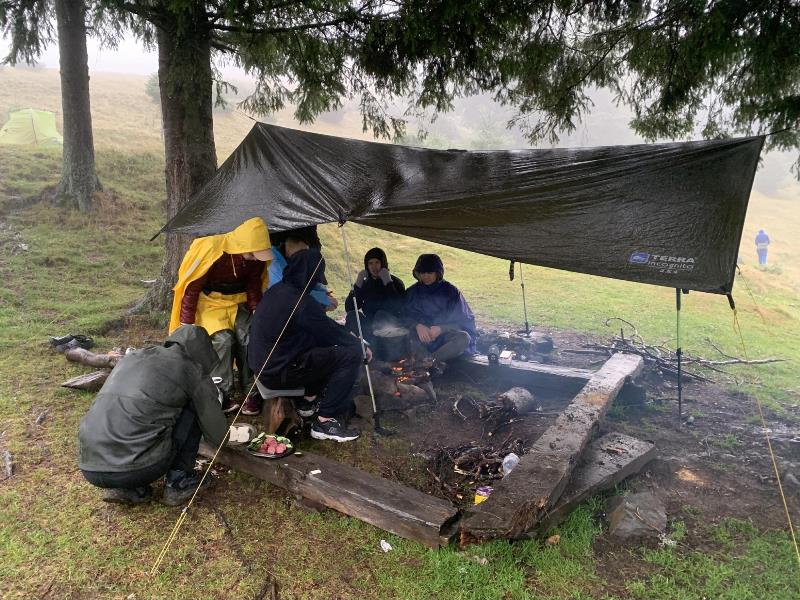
391	346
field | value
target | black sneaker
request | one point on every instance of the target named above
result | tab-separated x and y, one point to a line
180	486
333	430
128	496
306	408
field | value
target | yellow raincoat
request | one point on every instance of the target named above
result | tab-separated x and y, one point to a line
216	311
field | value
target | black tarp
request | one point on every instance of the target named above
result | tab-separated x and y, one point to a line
665	214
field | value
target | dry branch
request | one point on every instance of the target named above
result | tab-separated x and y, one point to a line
664	359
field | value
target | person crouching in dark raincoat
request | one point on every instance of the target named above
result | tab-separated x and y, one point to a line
379	295
441	323
147	420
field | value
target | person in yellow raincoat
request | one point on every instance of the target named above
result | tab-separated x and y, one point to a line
220	283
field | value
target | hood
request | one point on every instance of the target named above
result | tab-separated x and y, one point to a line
300	267
250	236
429	263
376	253
196	344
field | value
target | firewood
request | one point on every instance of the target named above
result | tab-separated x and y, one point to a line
79	355
394	395
90	382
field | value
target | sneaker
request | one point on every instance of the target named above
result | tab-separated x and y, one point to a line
305	407
333	430
252	405
128	496
180	486
229	405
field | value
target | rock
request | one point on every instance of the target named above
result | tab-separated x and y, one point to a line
543	344
631	395
363	406
635	516
790	481
308	506
521	398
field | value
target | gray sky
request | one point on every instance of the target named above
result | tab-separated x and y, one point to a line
606	125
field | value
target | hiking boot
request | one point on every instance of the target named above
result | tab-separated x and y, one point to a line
229	405
333	430
67	342
180	486
305	407
128	495
252	405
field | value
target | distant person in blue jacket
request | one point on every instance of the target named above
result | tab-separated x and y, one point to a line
441	323
286	244
762	244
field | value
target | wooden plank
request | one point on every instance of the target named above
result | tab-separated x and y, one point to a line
386	504
528	374
90	382
607	461
520	500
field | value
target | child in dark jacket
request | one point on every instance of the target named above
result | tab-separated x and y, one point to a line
314	352
379	295
441	322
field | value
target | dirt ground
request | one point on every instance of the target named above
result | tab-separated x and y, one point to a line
715	465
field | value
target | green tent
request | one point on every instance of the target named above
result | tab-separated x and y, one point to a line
30	127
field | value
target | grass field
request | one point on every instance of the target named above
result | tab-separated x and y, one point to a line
65	272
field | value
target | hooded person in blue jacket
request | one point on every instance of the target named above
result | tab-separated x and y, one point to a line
441	322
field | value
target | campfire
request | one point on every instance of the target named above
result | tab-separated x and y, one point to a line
405	371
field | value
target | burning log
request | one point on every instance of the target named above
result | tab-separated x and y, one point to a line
393	394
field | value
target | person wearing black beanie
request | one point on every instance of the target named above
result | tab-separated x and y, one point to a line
441	322
378	293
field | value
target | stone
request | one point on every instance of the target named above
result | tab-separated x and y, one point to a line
632	395
636	516
363	405
790	481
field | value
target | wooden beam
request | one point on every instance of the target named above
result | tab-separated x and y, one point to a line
528	374
607	461
524	497
385	504
90	382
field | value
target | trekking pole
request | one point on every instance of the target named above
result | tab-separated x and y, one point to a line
375	418
524	302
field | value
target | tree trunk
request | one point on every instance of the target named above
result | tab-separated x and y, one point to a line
186	85
78	176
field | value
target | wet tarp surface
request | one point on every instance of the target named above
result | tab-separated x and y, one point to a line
665	214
